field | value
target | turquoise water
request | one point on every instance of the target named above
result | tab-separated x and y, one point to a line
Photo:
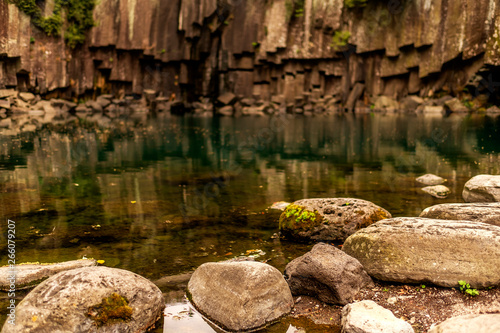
160	195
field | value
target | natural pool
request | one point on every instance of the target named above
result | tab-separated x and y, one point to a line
160	195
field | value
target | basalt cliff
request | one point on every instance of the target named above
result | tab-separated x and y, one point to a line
350	50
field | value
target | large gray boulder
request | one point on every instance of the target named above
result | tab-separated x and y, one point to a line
241	295
482	188
329	219
419	250
29	275
326	273
430	179
477	323
488	212
369	317
75	301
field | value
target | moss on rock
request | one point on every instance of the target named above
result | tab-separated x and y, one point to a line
112	309
296	218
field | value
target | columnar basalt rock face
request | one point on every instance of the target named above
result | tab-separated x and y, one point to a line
188	49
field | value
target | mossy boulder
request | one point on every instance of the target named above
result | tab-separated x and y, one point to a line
422	250
91	299
328	219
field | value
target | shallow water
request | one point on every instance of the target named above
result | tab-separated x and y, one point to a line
161	195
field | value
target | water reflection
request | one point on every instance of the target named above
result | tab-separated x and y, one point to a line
161	195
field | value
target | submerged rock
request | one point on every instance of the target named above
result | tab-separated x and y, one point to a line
326	273
479	212
487	323
369	317
420	250
482	188
329	219
241	295
29	275
92	299
430	179
437	191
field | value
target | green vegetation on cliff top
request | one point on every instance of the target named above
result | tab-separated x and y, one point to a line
79	18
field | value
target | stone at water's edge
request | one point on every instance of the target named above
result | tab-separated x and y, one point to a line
66	302
420	250
477	323
329	219
369	317
482	188
488	212
29	275
437	191
240	295
326	273
430	179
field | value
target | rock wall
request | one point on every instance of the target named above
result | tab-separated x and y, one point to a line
292	49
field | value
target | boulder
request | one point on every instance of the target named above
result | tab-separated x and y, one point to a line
5	104
103	102
227	98
29	275
369	317
433	109
482	188
437	191
411	103
327	274
227	110
75	301
95	106
493	109
6	93
479	212
421	250
386	103
454	105
430	179
329	219
27	97
480	323
240	295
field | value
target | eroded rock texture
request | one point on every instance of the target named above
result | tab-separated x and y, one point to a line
297	49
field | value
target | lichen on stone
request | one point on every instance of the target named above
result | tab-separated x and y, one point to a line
112	309
296	217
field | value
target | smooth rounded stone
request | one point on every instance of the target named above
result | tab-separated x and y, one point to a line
369	317
328	274
430	179
488	212
227	110
27	97
329	219
421	250
482	188
68	301
240	295
477	323
95	106
437	191
29	275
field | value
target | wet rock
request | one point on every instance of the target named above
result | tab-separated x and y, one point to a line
411	103
29	275
27	97
454	105
69	302
240	295
227	98
5	123
369	317
487	323
150	95
252	111
227	110
430	179
95	106
482	188
479	212
62	104
82	108
386	103
103	102
247	101
441	252
432	109
437	191
326	273
493	109
329	219
354	95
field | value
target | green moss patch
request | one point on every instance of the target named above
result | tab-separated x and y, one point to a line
79	18
297	218
111	310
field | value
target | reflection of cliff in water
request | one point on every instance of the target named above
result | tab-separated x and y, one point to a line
139	189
